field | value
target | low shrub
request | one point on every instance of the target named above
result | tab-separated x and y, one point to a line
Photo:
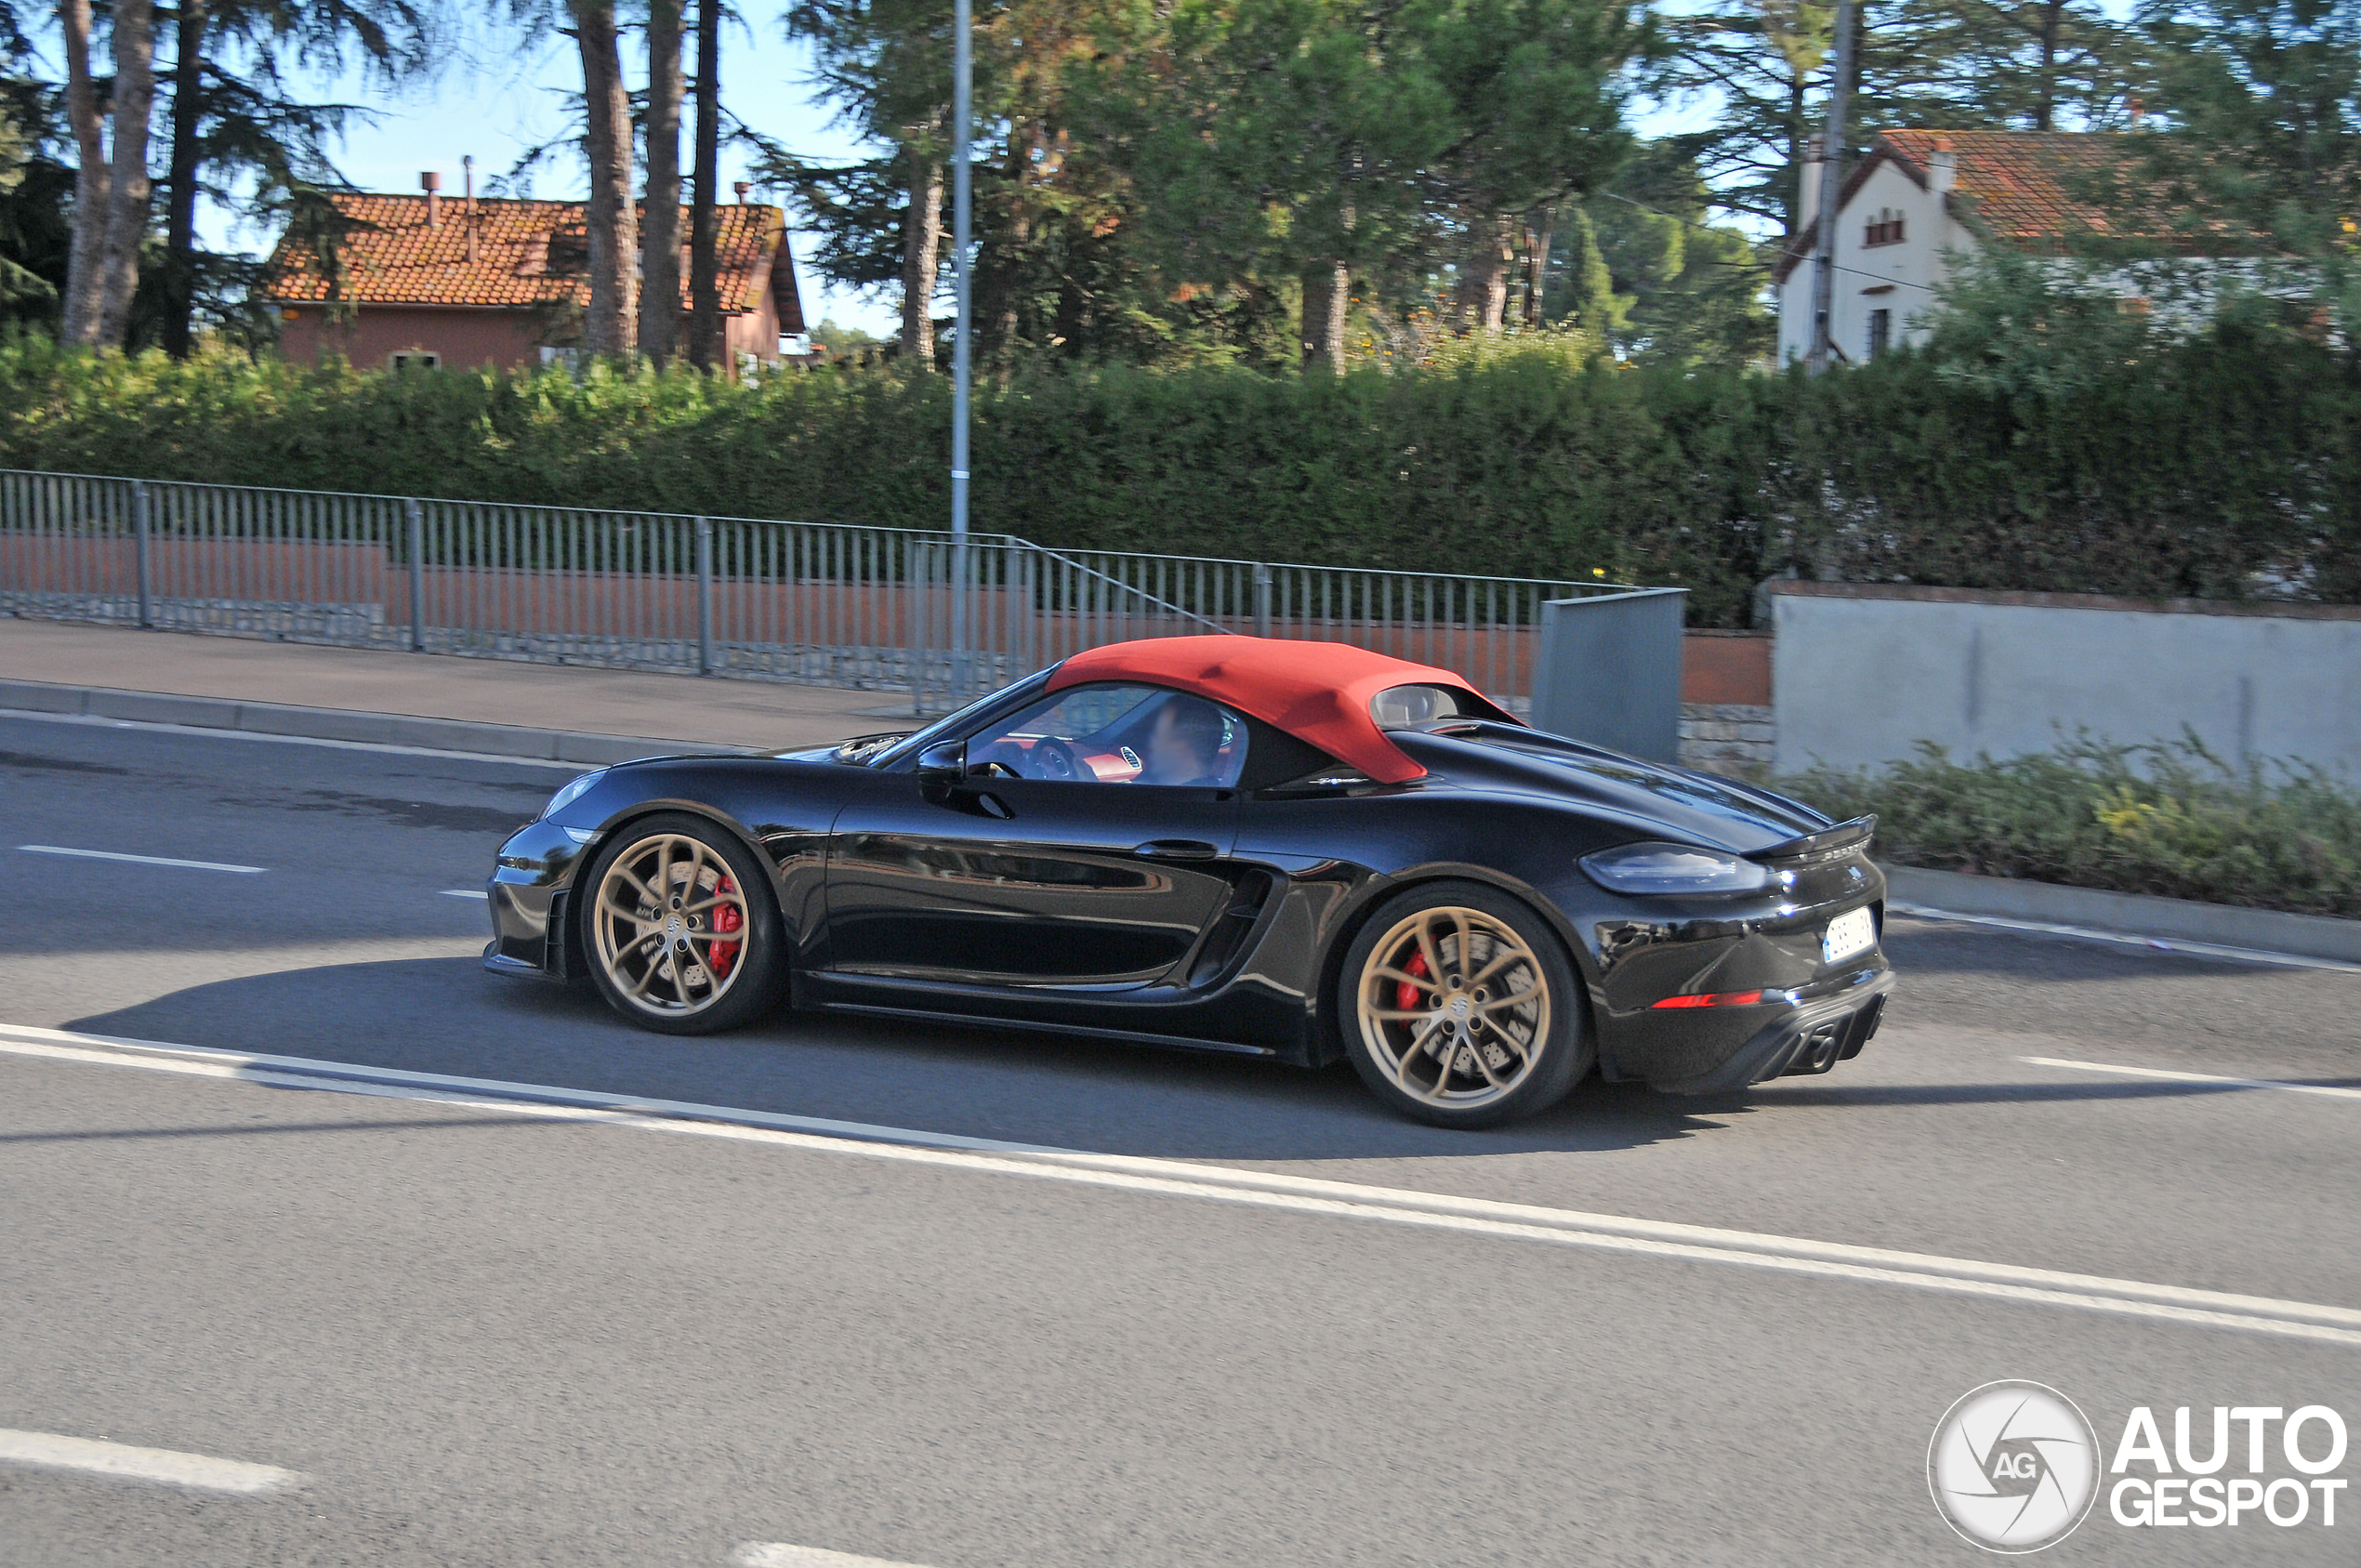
2170	819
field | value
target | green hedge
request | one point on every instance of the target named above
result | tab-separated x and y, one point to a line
2225	469
2171	819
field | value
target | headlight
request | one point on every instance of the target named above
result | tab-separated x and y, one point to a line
572	792
1673	868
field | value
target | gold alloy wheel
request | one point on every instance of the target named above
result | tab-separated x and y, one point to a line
671	926
1453	1008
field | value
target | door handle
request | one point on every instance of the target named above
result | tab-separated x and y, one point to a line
1176	849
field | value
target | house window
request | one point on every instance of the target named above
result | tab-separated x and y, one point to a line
1883	230
414	358
1881	332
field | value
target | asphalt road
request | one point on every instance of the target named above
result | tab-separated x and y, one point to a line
480	1336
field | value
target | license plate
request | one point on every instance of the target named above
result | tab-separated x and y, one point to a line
1855	931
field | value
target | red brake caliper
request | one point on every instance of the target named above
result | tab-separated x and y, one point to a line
724	957
1405	996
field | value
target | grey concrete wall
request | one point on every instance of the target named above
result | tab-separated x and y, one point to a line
1860	674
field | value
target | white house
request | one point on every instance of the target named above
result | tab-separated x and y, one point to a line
1902	207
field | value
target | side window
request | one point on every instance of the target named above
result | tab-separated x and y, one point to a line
1119	734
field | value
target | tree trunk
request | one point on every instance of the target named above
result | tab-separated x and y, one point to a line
84	285
922	254
1799	138
1535	301
660	236
609	327
1327	300
1004	272
180	218
2052	17
127	188
1491	276
705	222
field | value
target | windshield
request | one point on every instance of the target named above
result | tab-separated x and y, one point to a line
1117	733
952	723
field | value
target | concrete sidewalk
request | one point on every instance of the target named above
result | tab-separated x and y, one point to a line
438	687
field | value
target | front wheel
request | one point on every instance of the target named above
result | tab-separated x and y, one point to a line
681	928
1459	1007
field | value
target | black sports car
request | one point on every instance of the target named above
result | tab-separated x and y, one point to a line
1297	849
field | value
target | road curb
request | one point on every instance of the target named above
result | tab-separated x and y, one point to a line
2133	915
344	724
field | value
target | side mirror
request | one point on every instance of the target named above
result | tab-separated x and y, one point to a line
942	767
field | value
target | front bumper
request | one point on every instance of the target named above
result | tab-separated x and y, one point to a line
526	897
1812	1036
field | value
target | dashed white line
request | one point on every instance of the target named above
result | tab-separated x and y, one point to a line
2213	1080
779	1554
91	1457
1307	1195
142	860
2125	939
477	893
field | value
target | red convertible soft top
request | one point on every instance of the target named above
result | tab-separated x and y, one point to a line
1317	692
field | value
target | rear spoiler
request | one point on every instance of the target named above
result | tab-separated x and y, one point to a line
1826	844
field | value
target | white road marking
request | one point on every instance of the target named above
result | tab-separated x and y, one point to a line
141	860
2330	1091
1310	1195
779	1554
207	733
465	893
52	1452
2123	939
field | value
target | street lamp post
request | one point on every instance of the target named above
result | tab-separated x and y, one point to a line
1824	250
962	71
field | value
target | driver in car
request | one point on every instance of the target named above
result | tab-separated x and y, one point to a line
1185	746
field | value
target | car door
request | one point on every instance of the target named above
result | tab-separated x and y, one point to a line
1077	871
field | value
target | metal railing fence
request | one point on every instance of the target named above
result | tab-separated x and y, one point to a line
819	603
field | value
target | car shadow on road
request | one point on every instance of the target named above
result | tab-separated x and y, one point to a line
447	1016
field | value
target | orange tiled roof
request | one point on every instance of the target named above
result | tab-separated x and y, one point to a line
2026	185
2029	187
392	257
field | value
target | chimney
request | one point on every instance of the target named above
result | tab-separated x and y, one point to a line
431	183
468	211
1943	169
742	187
468	175
1807	206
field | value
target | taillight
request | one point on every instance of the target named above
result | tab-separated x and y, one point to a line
1714	999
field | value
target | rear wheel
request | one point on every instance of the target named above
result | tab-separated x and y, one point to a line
1458	1006
679	928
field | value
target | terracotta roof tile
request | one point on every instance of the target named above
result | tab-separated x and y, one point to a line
392	257
2030	187
2026	185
